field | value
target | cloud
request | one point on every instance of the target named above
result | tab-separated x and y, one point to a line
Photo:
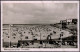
32	13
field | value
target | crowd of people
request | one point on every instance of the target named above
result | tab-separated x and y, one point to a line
42	34
37	31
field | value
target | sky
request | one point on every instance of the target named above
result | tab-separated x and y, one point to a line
37	13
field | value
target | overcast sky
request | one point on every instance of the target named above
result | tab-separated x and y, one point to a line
38	13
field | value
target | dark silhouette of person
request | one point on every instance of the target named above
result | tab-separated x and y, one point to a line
50	40
49	37
18	45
